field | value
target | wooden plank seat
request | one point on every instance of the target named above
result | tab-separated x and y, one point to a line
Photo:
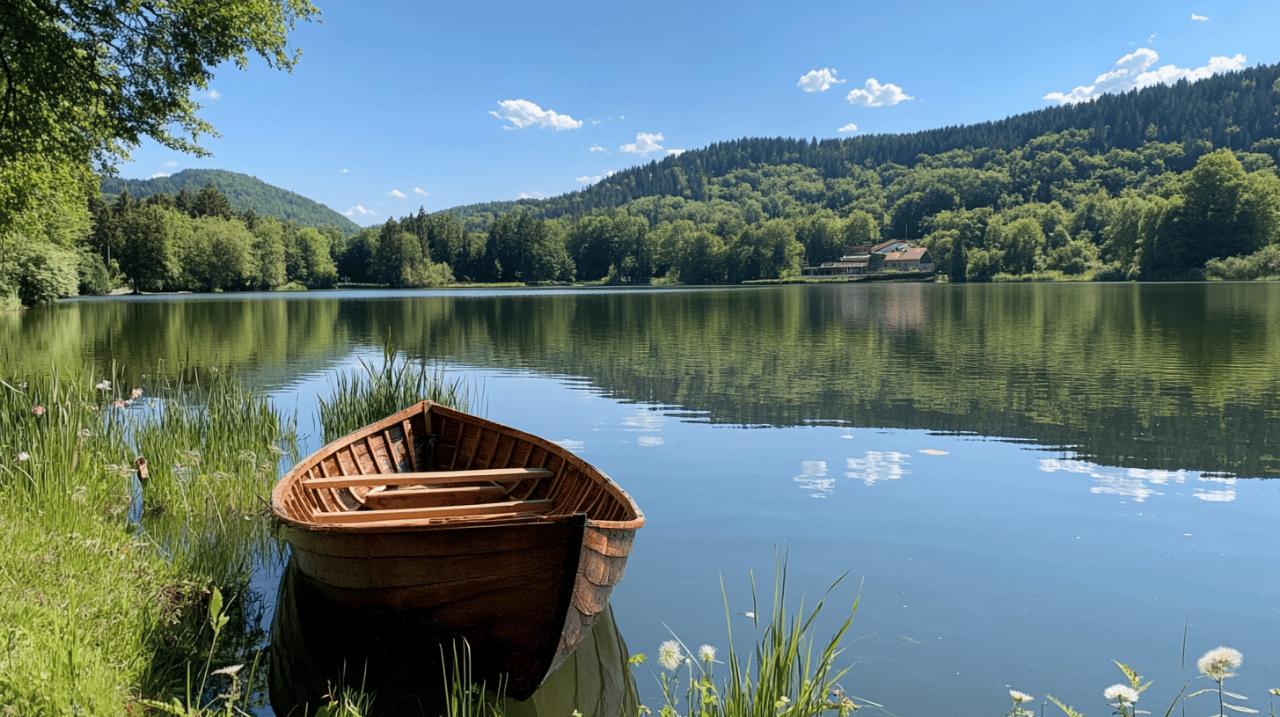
418	497
429	478
501	509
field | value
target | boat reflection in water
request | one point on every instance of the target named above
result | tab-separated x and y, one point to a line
317	645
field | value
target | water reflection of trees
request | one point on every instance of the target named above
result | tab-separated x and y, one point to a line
1146	376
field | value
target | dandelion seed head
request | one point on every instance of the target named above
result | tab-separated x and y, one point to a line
1220	662
1121	694
1019	697
707	653
669	655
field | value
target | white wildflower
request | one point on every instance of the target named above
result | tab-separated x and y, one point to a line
1120	694
669	655
23	456
707	653
1020	697
1219	662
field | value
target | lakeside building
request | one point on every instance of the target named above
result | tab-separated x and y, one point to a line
865	260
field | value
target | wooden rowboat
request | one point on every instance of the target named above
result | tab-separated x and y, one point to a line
468	528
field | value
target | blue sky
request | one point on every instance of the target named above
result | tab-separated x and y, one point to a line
453	103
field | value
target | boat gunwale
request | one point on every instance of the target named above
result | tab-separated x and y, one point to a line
590	472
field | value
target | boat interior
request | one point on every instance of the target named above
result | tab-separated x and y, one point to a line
431	465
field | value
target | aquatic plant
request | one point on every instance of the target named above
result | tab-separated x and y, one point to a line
108	574
375	390
786	671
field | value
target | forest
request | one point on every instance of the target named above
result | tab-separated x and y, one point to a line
1166	183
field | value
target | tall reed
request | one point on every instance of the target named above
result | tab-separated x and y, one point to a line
375	390
105	576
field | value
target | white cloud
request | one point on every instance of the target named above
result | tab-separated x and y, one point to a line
646	143
211	94
1152	37
1199	18
531	195
360	210
420	191
584	179
675	152
344	170
819	80
851	127
158	175
171	163
397	194
1137	70
597	148
875	94
523	113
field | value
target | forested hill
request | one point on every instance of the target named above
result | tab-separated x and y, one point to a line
246	193
1232	111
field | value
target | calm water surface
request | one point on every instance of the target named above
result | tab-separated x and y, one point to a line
1023	482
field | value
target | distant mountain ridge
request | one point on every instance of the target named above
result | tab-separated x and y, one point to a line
245	192
1233	110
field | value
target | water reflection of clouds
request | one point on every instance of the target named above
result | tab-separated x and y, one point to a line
647	422
813	478
877	466
1139	484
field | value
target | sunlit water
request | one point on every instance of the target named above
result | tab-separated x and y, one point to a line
1022	482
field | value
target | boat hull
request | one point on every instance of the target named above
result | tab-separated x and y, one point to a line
523	587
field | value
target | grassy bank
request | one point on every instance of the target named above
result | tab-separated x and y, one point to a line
107	577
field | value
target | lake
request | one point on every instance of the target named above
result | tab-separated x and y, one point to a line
1023	482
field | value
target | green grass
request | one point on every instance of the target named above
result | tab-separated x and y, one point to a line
106	582
374	391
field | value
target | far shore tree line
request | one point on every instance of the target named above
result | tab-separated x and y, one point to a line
1218	219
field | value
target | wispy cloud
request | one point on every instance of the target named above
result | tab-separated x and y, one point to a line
523	113
344	170
171	163
1137	70
158	175
1199	18
397	194
360	210
875	94
646	143
531	195
597	148
819	80
851	127
420	191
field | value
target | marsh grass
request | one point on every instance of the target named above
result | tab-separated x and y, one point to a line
787	671
375	390
106	581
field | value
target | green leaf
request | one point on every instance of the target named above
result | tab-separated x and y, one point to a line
1066	709
215	606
